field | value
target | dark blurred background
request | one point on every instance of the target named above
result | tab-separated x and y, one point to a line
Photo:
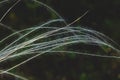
103	16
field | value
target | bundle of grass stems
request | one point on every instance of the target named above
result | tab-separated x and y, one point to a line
42	39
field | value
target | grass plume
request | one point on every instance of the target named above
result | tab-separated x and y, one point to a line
50	40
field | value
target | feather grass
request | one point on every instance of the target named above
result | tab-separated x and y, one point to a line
51	40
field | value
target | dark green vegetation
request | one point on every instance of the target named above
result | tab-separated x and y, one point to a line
103	16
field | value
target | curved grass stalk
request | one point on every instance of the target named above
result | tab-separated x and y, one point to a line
4	15
1	2
68	52
9	10
12	74
51	9
7	13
